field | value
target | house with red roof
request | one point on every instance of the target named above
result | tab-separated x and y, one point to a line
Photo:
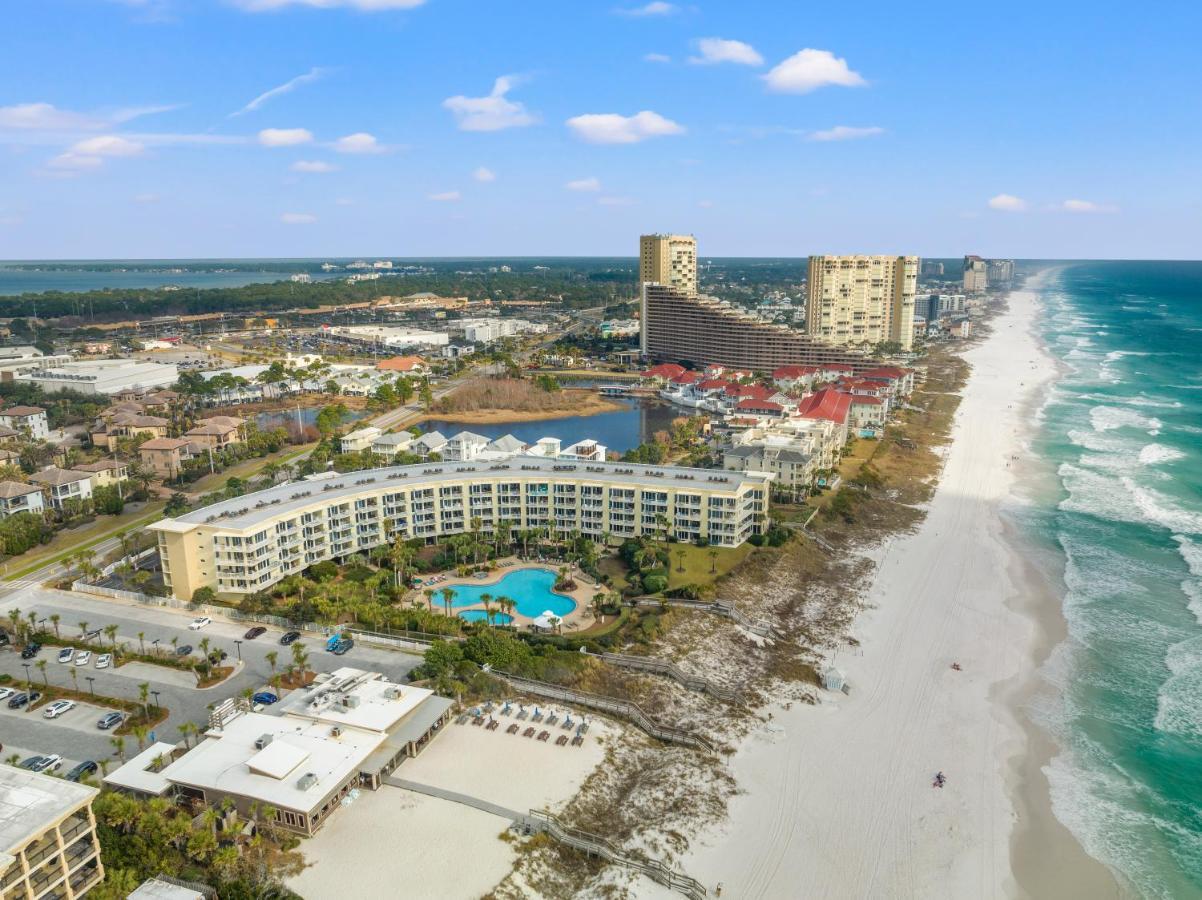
867	412
789	378
755	407
900	381
663	373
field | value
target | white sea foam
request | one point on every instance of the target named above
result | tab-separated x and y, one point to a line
1161	509
1156	454
1140	400
1177	708
1106	418
1191	552
1122	499
1100	443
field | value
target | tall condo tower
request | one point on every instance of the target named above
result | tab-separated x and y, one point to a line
670	260
857	300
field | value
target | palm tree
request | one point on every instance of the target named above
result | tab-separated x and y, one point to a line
429	592
55	618
680	555
300	658
185	731
13	759
555	620
41	664
110	631
448	594
272	658
142	642
144	698
118	747
598	605
713	555
74	679
139	733
83	628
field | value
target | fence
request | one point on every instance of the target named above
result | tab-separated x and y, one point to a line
455	797
593	845
622	709
661	667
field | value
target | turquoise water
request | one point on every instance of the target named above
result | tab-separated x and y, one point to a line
479	615
529	588
1119	514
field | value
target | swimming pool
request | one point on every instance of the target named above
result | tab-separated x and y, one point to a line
530	589
479	615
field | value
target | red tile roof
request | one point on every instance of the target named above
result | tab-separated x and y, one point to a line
865	400
713	384
664	370
687	378
401	363
827	404
891	372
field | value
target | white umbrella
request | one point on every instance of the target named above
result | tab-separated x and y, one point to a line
544	621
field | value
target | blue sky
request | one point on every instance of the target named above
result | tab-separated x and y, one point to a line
202	128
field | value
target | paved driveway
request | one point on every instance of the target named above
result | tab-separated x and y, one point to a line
184	702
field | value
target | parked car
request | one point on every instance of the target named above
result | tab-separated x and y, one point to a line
31	650
110	720
343	646
5	693
199	623
31	761
51	763
290	637
104	660
183	650
265	697
57	708
87	767
83	657
4	638
252	633
66	655
22	699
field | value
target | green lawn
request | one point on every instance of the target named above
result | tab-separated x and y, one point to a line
699	568
67	542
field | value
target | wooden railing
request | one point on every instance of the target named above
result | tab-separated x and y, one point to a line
661	667
718	607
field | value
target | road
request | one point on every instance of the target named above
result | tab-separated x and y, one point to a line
74	735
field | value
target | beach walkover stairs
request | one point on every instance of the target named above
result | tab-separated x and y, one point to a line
718	607
621	709
537	821
670	670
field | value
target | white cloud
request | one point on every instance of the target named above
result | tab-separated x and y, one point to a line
361	5
584	184
808	69
721	50
655	8
446	196
146	198
45	117
656	58
484	174
313	166
845	133
108	145
611	128
492	113
294	218
285	137
285	88
614	201
75	162
1007	203
1087	206
360	142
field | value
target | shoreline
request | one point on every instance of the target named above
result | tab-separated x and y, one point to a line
842	791
1047	859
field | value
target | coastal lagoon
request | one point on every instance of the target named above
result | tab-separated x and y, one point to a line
15	281
1113	506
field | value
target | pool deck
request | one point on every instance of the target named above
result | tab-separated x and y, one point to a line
583	595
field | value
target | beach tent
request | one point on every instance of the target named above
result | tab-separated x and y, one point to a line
544	621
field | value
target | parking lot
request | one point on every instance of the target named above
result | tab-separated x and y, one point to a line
75	736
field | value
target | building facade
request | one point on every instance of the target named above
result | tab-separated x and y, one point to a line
48	843
861	300
670	260
976	275
999	272
248	544
29	421
703	331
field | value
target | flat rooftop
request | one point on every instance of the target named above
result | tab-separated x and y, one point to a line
136	774
251	509
30	803
356	699
228	761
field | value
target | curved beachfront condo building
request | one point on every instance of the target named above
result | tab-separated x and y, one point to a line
249	543
680	327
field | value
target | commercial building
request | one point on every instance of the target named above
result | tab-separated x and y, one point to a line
862	300
936	306
403	365
388	336
247	544
23	358
680	327
29	421
48	844
102	376
976	275
485	331
349	731
670	260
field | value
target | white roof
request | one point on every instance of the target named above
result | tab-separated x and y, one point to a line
277	759
154	889
135	775
30	803
356	699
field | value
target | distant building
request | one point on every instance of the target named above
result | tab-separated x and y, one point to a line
859	300
934	307
976	275
930	267
48	843
26	420
166	456
16	497
301	278
359	440
999	272
404	365
102	376
670	260
385	336
216	432
620	328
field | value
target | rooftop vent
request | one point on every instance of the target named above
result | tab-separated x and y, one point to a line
262	741
306	781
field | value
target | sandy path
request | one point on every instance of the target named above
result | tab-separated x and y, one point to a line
838	799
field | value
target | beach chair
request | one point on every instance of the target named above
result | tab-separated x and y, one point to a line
506	709
543	735
492	725
552	719
512	729
529	732
568	723
577	741
478	720
538	716
561	741
521	713
461	718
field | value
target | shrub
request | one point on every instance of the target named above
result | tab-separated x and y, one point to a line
653	584
203	595
326	570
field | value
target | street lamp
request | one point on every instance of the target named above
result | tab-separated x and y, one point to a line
156	699
238	647
155	646
91	688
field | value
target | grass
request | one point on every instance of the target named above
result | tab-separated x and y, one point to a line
699	568
66	543
244	469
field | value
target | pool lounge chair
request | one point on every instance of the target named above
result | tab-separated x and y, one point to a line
561	740
529	732
552	719
577	741
512	729
492	725
543	735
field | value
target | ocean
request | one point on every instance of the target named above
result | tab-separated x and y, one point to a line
1114	510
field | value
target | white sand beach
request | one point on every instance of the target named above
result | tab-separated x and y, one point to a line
838	798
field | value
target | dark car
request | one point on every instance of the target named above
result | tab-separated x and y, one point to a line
252	633
265	697
290	637
87	767
21	699
31	650
343	646
183	650
3	638
110	720
31	762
